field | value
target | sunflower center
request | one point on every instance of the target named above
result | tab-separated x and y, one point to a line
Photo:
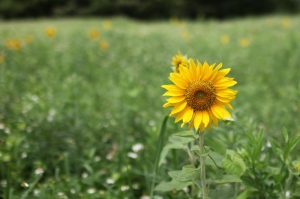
200	94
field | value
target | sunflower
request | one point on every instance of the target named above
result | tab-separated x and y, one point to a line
179	60
200	94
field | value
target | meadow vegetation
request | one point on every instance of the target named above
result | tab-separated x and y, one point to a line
81	107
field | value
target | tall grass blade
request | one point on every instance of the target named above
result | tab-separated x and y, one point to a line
158	151
31	187
8	178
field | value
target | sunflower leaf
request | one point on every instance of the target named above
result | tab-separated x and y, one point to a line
233	163
189	134
216	144
188	173
227	179
164	186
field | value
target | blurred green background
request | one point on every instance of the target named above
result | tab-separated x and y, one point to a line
81	97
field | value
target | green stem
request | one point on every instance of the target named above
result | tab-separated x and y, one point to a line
288	183
202	162
235	189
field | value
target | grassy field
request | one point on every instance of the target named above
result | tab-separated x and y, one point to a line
80	112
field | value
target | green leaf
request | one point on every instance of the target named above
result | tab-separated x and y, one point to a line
164	186
216	144
175	145
214	159
294	142
189	167
187	174
189	134
159	148
243	195
297	192
182	140
222	193
273	170
228	178
285	135
169	186
163	156
196	149
180	185
233	164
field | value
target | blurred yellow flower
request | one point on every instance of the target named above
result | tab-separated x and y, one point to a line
285	22
103	45
94	34
199	95
174	20
14	44
225	39
28	39
297	167
185	34
1	59
244	42
50	32
106	25
179	60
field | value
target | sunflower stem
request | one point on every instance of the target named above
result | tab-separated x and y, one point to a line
202	163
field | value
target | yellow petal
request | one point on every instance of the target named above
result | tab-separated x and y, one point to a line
168	104
199	70
179	81
221	74
179	107
205	117
171	87
174	93
179	115
215	72
188	115
225	82
193	69
225	99
202	127
220	112
213	117
186	74
197	119
176	99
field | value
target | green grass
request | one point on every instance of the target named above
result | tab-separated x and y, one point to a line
75	111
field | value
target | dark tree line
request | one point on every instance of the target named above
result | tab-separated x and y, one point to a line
145	9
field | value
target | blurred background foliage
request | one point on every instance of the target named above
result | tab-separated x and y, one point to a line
146	9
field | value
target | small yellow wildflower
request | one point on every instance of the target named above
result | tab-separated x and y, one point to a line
94	34
185	34
225	39
174	20
244	42
179	60
103	45
297	165
28	39
106	25
50	32
14	44
285	22
1	59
